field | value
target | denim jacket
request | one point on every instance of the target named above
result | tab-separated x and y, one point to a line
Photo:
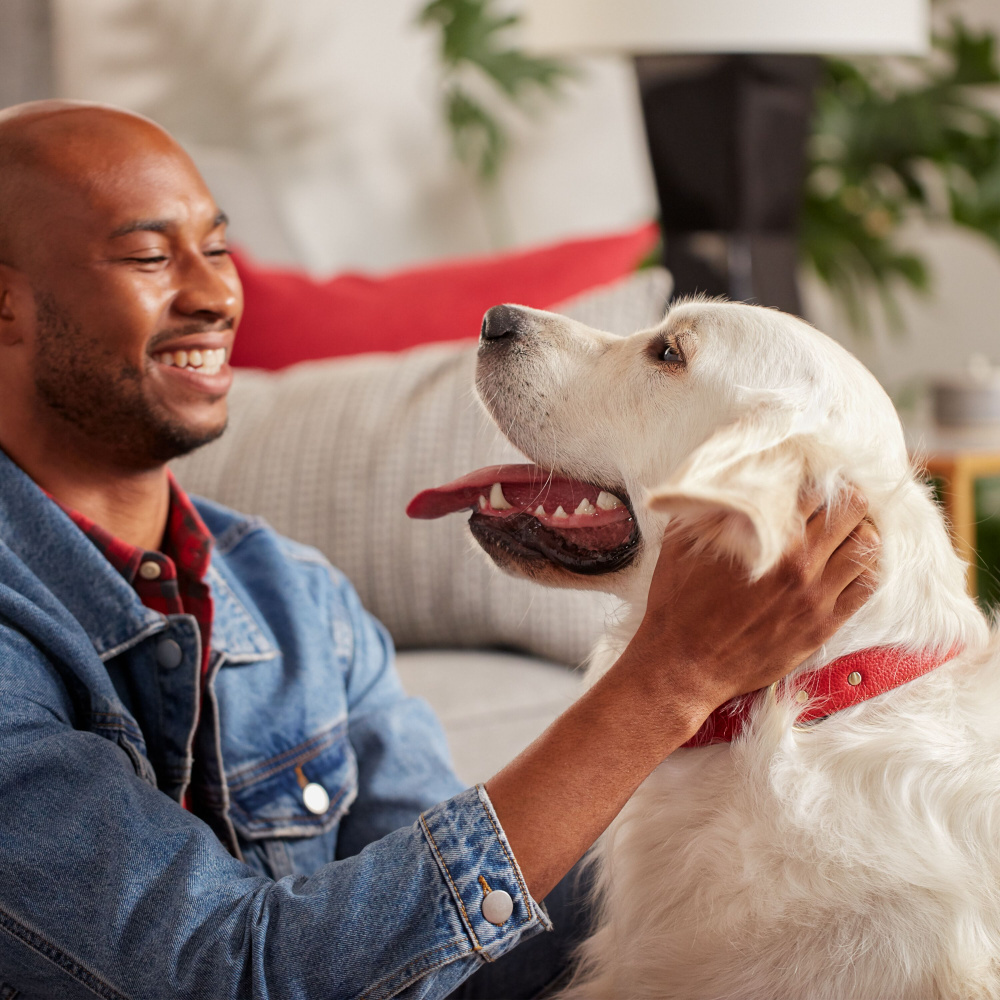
109	888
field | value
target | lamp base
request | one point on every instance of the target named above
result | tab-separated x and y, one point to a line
745	267
727	139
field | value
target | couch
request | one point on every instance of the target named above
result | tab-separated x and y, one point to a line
330	451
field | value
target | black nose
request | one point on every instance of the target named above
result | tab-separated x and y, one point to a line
502	321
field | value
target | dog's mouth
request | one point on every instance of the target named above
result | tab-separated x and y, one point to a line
527	513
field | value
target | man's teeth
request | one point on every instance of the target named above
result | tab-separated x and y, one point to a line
208	362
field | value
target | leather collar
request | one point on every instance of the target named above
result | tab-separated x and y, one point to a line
843	682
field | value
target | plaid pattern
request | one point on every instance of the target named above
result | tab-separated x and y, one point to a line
176	586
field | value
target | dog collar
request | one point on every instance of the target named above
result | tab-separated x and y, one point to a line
844	682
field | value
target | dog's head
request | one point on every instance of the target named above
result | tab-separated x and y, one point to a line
716	419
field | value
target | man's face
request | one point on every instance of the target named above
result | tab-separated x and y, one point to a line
136	301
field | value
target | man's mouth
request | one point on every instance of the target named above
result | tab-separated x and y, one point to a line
205	361
530	513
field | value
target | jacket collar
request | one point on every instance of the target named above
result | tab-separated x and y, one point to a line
235	631
66	563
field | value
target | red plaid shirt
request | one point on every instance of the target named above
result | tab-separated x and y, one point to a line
170	581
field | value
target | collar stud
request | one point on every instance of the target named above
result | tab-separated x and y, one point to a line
854	678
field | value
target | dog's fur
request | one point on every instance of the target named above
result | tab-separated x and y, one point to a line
855	858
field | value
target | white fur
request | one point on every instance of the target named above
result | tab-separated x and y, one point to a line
858	858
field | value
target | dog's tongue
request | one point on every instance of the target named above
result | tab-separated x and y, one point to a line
505	490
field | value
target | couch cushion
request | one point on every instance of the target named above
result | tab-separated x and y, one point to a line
330	452
291	317
492	705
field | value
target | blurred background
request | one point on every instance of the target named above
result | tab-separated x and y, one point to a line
319	125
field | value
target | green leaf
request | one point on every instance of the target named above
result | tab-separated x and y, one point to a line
886	148
975	60
478	139
476	39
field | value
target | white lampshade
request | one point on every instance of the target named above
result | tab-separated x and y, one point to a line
686	26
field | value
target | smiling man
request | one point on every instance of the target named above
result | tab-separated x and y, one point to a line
211	782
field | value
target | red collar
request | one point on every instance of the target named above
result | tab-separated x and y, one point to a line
840	684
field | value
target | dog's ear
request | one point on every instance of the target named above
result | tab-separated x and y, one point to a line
739	491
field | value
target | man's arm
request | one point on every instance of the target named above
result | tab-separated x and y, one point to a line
708	635
107	886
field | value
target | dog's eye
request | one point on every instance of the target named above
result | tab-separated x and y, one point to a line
671	354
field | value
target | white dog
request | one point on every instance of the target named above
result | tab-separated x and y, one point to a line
857	856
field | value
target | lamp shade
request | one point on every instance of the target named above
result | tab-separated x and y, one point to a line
688	26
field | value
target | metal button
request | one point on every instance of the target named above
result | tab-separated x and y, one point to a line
315	798
150	570
854	678
497	906
802	697
169	653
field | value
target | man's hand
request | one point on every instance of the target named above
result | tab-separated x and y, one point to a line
708	634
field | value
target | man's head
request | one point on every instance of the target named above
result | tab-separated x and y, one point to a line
114	269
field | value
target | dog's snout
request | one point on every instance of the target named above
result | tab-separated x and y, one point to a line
502	321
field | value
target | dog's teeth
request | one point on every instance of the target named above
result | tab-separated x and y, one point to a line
497	500
608	501
539	511
483	502
560	512
585	507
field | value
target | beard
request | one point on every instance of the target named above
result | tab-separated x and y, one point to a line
103	397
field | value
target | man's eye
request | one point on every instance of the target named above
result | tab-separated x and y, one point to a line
670	353
146	260
218	252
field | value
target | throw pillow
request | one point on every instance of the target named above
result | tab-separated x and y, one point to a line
290	317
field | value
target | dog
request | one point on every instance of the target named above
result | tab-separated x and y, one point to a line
850	853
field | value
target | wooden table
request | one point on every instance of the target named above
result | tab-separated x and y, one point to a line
957	458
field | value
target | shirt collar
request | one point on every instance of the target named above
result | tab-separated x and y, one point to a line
186	541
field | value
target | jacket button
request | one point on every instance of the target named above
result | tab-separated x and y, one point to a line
168	653
315	798
497	906
149	570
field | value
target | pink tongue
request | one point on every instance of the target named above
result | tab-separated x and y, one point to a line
524	487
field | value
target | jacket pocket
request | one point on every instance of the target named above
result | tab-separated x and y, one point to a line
301	792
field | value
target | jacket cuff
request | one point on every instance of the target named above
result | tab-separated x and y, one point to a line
475	860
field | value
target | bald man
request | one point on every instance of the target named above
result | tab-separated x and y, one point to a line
211	782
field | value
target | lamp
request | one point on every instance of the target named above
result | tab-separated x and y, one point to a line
726	89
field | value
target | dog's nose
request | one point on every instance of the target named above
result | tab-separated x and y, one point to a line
502	321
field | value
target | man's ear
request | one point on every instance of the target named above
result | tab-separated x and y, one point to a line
739	491
9	332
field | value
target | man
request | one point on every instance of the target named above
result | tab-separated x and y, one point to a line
192	708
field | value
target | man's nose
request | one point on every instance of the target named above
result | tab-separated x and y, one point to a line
208	288
504	321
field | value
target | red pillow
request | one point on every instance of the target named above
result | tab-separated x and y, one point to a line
290	317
